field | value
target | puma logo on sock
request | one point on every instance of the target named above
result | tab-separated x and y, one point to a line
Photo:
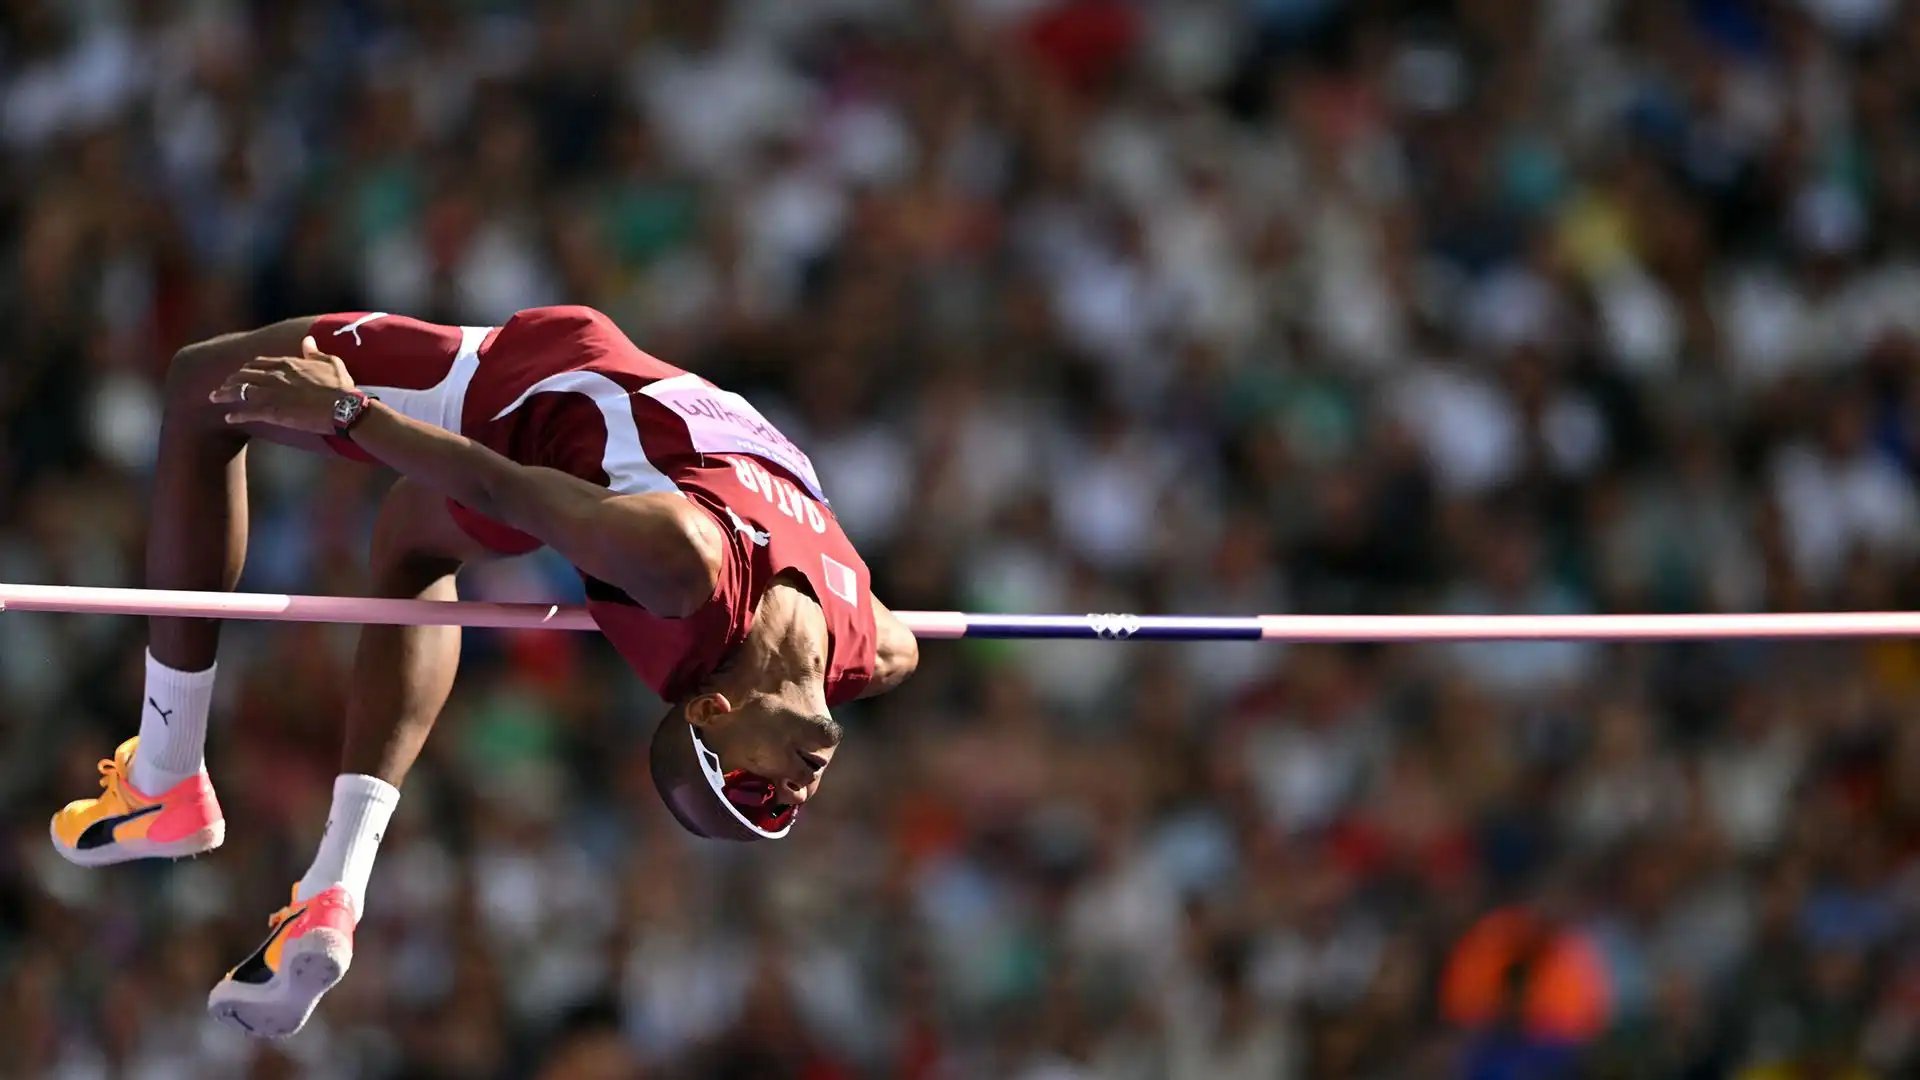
166	715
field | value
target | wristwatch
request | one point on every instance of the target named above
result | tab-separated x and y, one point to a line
348	411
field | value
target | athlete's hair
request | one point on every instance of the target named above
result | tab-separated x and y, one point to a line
682	784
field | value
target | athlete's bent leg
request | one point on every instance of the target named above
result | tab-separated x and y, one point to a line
196	539
157	800
402	676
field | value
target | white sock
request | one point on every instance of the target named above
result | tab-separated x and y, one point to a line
362	805
173	727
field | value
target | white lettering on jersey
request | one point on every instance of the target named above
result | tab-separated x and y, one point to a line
354	326
625	461
785	497
440	405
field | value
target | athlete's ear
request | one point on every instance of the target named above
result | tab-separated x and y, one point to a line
708	709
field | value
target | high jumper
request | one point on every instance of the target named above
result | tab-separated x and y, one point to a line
711	559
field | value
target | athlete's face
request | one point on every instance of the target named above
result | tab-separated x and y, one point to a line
773	754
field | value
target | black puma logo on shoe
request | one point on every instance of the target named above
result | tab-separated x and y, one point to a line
100	833
254	970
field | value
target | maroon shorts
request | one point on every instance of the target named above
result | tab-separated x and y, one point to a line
419	369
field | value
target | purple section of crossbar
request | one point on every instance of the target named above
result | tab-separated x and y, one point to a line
1100	627
954	624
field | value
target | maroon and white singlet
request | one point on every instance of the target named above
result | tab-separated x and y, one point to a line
563	388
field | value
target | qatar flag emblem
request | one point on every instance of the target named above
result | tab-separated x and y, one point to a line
841	581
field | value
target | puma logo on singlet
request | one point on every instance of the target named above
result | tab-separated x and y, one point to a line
760	539
354	326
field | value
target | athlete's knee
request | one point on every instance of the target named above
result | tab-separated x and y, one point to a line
200	368
415	540
196	371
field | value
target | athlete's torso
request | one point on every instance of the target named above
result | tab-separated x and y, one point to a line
563	388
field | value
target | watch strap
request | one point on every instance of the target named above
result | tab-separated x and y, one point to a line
351	411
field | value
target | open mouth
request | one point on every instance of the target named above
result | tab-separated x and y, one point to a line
756	798
753	800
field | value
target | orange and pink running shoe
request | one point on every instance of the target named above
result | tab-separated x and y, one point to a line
125	823
273	992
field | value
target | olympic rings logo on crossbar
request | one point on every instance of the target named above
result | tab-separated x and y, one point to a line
1111	627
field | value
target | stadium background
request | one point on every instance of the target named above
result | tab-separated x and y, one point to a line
1080	305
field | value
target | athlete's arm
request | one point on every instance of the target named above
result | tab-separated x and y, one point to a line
657	548
896	651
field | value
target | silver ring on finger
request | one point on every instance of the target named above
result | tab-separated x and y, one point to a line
244	387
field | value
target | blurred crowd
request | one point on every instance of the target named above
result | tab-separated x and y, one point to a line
1224	306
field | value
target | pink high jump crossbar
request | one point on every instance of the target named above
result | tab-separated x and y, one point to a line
956	624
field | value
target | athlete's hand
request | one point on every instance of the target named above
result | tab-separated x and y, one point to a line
295	392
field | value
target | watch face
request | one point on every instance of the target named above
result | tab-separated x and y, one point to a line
345	410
